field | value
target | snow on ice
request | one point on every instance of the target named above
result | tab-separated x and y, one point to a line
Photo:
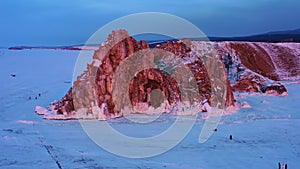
264	133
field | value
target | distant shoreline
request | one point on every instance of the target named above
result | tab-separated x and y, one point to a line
152	44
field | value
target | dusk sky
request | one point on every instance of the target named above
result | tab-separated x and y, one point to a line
70	22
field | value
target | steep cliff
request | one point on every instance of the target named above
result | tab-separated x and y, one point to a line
92	93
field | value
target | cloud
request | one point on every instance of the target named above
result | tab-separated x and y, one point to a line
56	22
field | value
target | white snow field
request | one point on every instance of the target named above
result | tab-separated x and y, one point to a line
263	135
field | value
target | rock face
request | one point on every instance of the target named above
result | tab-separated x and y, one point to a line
276	61
257	65
148	80
93	88
125	47
198	68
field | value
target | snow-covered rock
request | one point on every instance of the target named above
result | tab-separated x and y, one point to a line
41	110
97	80
250	67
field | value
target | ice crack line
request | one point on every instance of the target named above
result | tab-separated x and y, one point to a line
50	151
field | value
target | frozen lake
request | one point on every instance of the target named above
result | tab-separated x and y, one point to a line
263	135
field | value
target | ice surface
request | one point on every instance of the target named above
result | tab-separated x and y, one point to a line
263	135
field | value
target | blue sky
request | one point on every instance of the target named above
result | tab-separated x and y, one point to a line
67	22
